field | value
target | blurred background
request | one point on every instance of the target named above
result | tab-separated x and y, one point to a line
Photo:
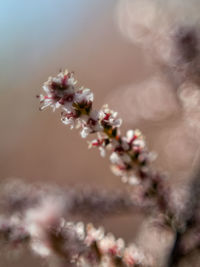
94	39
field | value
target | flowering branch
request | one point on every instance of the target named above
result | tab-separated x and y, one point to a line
37	217
70	242
129	157
37	222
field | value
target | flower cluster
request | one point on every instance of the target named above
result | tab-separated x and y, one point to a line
72	242
129	156
111	251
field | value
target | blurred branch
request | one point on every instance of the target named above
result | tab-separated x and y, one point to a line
18	197
189	219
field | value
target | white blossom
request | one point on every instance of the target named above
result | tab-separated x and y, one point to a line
85	131
84	95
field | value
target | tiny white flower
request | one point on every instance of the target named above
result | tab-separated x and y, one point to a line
85	131
84	95
133	180
93	234
117	171
114	158
80	230
40	248
69	121
102	151
130	134
139	142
